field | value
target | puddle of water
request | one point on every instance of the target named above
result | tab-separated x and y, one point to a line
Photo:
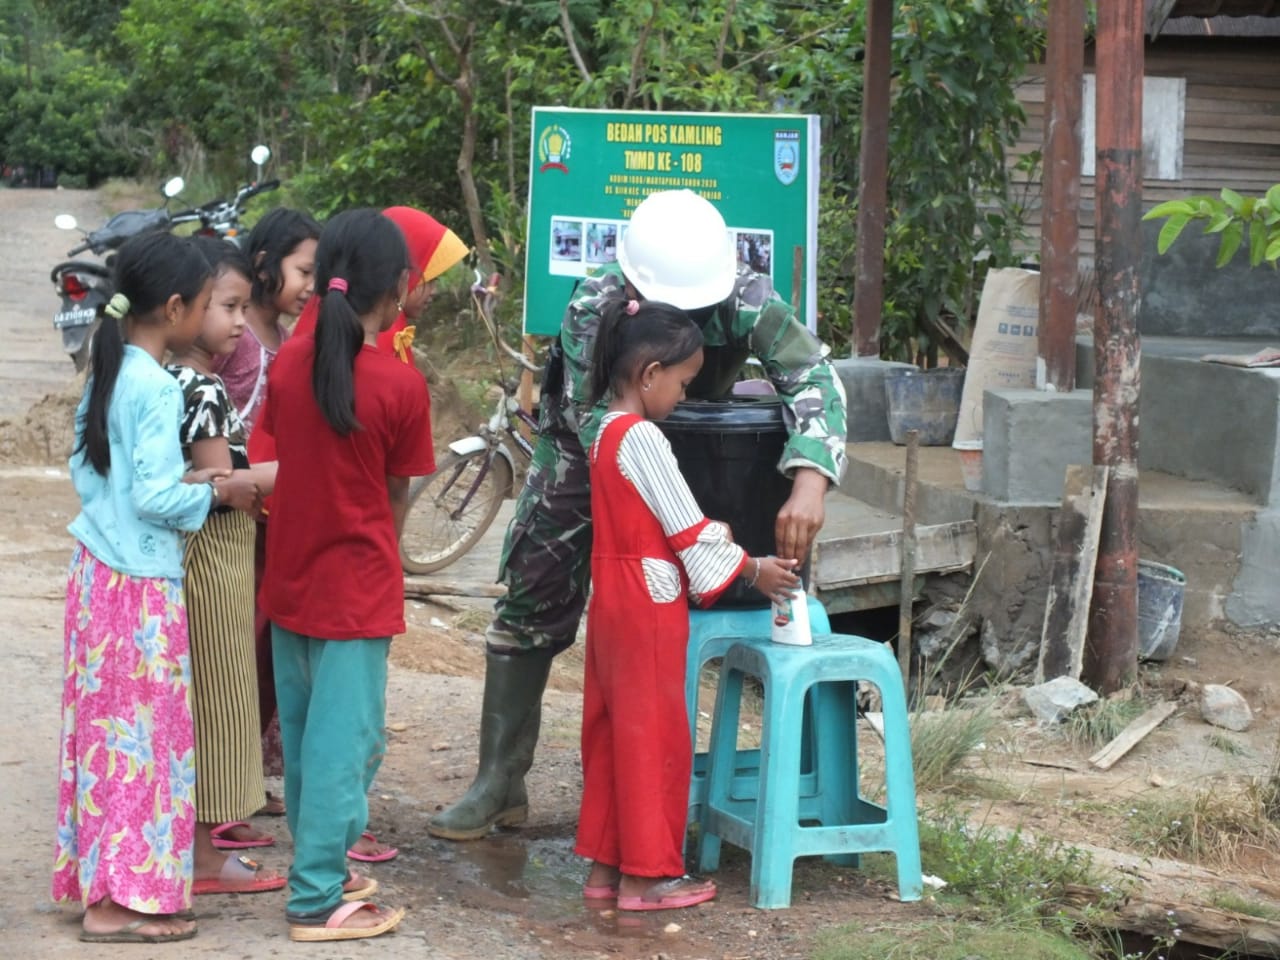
545	870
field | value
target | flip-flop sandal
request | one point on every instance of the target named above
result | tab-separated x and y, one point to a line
238	875
357	887
389	854
225	843
129	934
330	926
604	891
670	895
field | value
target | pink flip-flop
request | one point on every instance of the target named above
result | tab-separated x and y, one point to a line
389	854
604	891
238	875
223	843
668	895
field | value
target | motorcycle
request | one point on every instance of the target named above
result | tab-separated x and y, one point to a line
221	217
85	285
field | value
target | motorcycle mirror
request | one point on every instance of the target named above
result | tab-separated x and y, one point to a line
64	221
260	154
173	187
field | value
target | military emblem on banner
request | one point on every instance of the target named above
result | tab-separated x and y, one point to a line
786	156
553	148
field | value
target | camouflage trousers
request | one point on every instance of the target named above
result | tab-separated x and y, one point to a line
546	558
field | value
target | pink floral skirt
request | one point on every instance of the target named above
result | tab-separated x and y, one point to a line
126	810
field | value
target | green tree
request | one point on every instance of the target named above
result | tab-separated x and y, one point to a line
1239	221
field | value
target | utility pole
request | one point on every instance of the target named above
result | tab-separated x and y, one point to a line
1111	657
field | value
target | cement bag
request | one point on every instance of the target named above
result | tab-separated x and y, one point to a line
1005	346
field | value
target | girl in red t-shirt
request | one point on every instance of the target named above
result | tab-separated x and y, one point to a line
352	425
651	547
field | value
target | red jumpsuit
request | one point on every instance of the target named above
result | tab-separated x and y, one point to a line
636	751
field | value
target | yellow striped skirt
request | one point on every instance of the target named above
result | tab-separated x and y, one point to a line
224	679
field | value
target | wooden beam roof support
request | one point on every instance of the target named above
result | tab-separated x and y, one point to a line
873	180
1060	236
1111	656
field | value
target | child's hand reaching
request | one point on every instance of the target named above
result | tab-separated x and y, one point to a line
774	577
206	475
240	492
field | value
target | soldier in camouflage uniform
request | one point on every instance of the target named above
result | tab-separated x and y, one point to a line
546	559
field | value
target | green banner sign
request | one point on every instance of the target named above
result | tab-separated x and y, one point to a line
590	168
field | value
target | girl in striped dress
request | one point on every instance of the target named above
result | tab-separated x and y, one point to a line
219	585
125	810
651	547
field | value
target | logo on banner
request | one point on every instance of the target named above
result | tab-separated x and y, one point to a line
786	156
553	148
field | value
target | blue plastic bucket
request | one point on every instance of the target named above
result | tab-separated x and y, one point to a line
924	400
1160	591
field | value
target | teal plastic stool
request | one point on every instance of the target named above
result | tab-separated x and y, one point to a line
782	818
711	633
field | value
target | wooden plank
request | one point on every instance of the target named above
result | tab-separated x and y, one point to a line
877	557
428	587
1130	736
1075	551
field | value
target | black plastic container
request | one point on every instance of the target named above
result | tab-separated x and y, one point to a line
729	452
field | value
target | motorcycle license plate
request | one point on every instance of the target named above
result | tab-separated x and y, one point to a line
75	317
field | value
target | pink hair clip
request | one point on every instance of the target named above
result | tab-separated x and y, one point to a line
337	283
632	308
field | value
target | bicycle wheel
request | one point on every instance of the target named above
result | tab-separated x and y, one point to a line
451	509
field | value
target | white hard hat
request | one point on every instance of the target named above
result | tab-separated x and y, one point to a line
677	249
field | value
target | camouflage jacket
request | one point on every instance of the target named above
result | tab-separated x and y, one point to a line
753	321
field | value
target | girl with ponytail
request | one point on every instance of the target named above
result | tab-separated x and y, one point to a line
352	425
125	796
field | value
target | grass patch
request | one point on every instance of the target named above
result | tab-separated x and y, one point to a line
1226	900
1101	722
938	940
942	739
1012	875
1211	827
1221	741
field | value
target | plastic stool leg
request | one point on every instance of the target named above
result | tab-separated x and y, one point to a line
777	812
837	748
722	755
900	788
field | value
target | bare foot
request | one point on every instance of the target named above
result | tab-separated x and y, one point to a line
210	861
663	893
603	875
363	919
369	846
272	806
244	833
107	916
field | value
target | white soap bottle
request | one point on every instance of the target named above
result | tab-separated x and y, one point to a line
791	620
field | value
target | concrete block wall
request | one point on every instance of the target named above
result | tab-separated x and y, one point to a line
1030	437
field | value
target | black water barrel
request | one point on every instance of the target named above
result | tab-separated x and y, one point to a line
728	451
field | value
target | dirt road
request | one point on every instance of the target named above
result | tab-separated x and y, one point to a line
516	895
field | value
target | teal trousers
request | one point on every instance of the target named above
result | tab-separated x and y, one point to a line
332	697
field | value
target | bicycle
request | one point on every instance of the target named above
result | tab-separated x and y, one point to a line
450	510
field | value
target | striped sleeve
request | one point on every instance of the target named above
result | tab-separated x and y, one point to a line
705	548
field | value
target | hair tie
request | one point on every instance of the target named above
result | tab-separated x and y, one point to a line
117	307
632	308
337	283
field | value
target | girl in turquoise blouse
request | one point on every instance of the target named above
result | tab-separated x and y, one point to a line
125	810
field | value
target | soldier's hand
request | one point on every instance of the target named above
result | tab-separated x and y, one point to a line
801	516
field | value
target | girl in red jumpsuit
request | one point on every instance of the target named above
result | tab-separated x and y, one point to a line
652	546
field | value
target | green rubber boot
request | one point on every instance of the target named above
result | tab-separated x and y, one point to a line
511	715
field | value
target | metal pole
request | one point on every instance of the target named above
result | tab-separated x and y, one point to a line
908	580
1060	216
873	180
1111	660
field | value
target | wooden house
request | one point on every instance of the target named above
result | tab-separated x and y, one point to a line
1211	116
